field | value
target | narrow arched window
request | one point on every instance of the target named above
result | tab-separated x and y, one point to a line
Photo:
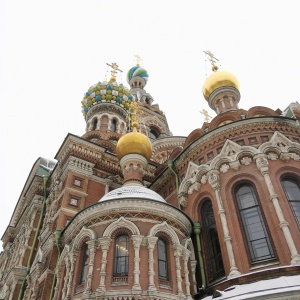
121	256
113	125
162	260
292	192
256	234
84	264
212	249
95	121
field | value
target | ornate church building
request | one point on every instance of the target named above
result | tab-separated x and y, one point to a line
130	212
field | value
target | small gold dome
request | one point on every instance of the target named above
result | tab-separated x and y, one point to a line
134	143
218	79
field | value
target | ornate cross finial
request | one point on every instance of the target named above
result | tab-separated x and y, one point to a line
212	60
135	114
138	59
206	115
114	70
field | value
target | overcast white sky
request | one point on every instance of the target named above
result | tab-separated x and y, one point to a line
51	52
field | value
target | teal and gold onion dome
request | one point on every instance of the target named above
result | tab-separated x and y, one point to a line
137	77
107	92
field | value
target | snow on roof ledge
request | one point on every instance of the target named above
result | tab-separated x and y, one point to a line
275	288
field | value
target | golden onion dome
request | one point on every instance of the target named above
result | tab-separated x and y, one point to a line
134	143
218	79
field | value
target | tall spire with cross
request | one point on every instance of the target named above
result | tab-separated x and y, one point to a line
114	71
212	60
138	59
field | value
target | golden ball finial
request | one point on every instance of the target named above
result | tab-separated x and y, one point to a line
135	125
134	143
218	79
214	68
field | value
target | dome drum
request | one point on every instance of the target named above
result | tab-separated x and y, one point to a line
224	99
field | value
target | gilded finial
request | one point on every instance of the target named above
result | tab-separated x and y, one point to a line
114	71
138	59
135	117
212	60
205	114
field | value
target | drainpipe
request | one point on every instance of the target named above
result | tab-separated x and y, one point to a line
197	231
35	240
57	236
170	165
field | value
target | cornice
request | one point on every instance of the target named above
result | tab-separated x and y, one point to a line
108	108
102	211
80	148
233	129
168	142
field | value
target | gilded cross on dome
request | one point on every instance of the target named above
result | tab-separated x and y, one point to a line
212	60
138	59
135	115
114	70
206	115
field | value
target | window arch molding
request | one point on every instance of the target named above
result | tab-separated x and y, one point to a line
166	230
291	187
123	224
84	234
253	223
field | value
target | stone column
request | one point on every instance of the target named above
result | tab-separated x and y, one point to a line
193	269
104	244
58	279
186	255
13	286
98	124
65	284
109	125
137	240
27	293
92	251
151	241
262	165
214	181
74	256
177	253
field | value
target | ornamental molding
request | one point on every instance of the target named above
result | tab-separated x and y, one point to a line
154	120
231	130
233	156
121	223
129	209
167	142
165	228
83	234
80	148
103	107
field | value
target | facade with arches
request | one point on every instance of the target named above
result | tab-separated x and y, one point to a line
214	215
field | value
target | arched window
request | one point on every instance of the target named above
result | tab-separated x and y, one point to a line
113	125
256	234
84	264
121	256
162	260
213	256
292	192
153	135
95	121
